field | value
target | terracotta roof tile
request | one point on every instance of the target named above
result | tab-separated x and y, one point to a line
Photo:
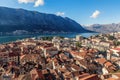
91	77
117	49
101	60
111	79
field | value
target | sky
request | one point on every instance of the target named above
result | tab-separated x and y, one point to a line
85	12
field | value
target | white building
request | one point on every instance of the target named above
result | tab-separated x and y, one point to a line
79	37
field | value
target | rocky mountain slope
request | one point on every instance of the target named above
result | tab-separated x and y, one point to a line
104	28
20	20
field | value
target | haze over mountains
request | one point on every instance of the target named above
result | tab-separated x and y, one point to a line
20	20
104	28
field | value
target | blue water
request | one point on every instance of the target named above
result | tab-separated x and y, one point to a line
4	39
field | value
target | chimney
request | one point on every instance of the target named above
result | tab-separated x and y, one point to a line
21	49
45	52
109	54
53	64
58	46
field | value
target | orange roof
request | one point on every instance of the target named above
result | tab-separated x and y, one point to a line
111	79
117	49
101	60
78	53
105	62
91	77
108	64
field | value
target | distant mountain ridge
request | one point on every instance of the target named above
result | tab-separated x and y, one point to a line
12	20
104	28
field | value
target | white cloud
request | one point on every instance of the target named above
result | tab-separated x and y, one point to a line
36	2
26	1
60	13
95	14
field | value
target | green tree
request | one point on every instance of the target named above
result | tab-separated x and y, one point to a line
78	44
47	38
116	43
111	37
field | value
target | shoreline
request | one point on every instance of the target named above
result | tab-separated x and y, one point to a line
11	38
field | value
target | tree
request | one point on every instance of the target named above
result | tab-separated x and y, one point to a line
61	37
116	43
49	38
78	44
111	37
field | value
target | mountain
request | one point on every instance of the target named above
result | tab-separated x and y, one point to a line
20	20
104	28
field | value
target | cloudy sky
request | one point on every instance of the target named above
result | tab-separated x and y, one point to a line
83	11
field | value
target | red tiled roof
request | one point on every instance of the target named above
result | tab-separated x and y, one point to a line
91	77
117	49
82	54
111	79
101	60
